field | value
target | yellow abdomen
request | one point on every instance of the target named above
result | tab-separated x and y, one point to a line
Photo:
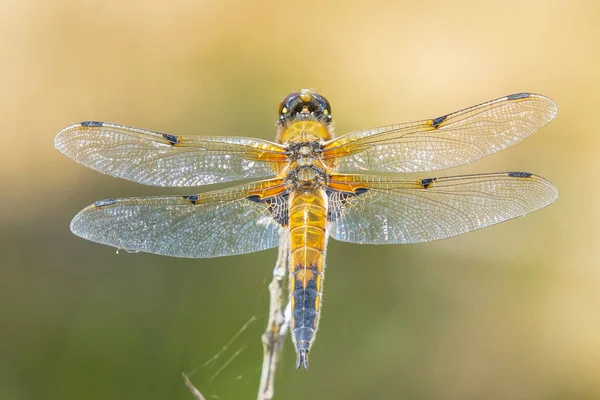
308	241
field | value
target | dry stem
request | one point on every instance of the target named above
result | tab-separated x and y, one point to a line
277	328
195	392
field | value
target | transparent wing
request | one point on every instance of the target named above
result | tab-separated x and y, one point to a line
221	223
161	159
444	142
380	210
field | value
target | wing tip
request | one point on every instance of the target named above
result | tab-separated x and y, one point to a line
551	109
551	190
75	222
61	137
554	191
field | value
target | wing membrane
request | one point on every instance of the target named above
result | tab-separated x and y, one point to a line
159	159
396	211
444	142
214	224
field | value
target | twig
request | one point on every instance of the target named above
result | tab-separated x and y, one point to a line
195	392
277	326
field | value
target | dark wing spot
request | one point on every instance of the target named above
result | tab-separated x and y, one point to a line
106	202
171	138
192	198
520	174
339	200
437	121
277	206
426	183
255	198
91	123
518	96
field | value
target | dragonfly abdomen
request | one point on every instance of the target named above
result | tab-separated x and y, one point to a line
308	241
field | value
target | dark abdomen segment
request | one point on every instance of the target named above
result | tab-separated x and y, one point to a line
308	240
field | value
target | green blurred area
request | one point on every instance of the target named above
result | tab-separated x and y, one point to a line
509	312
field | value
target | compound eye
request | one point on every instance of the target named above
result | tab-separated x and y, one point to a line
325	107
286	104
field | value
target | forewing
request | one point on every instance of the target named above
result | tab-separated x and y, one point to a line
233	221
380	210
160	159
444	142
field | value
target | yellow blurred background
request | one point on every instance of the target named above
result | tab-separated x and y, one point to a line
509	312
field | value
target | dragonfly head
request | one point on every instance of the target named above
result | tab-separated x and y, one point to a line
304	105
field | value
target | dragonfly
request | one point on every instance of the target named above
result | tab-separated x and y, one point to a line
309	185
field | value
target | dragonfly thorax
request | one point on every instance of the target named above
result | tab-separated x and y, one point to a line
302	150
306	167
306	175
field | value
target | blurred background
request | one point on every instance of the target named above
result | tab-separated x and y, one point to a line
509	312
